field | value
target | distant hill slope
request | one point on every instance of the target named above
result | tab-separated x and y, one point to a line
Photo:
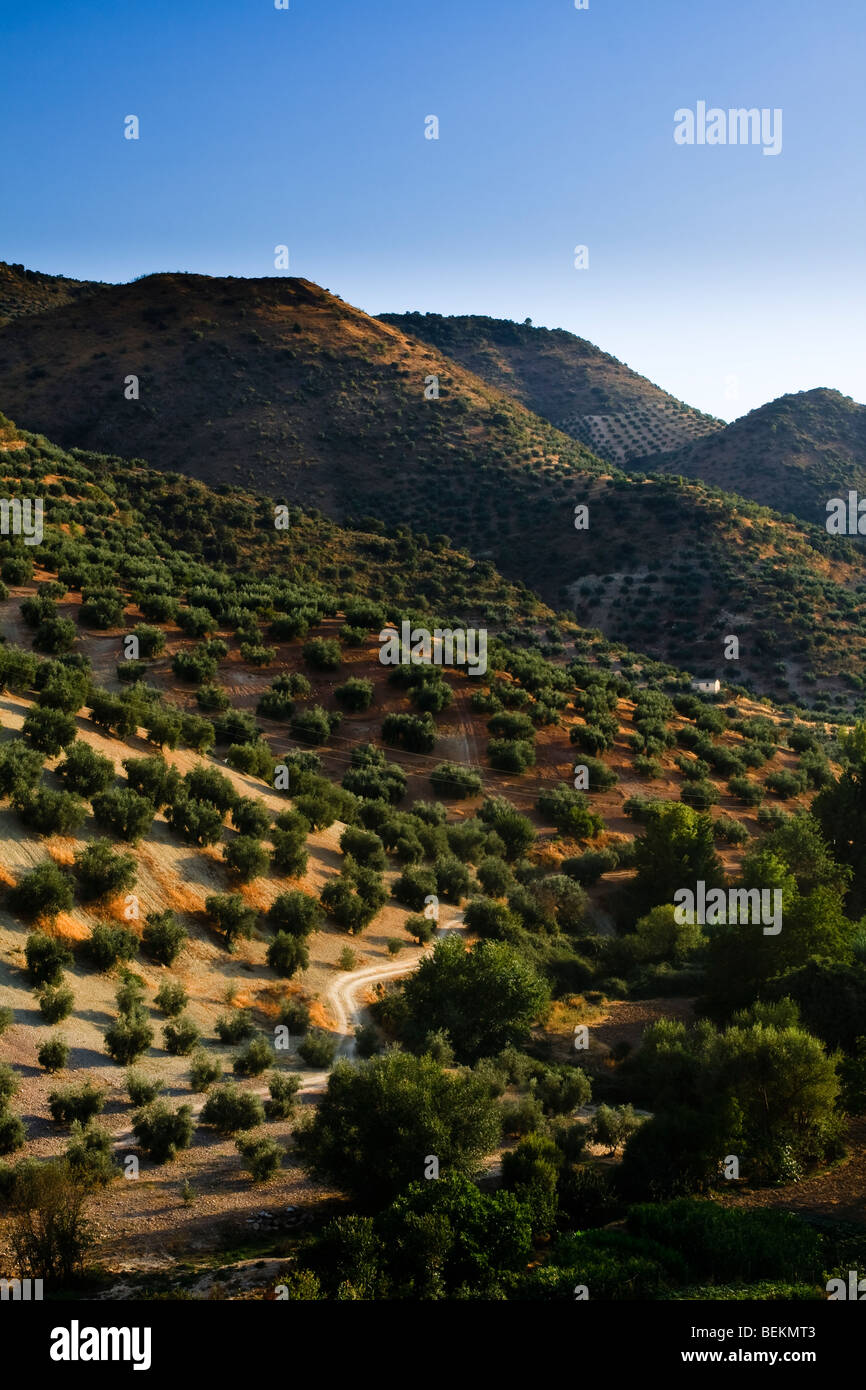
793	454
274	382
583	391
30	292
279	385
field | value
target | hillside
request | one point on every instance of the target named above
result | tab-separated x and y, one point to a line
567	380
25	291
279	385
226	906
792	454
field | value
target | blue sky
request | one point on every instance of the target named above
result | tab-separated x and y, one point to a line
727	276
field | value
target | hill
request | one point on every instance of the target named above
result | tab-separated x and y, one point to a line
25	291
792	454
280	385
567	380
446	789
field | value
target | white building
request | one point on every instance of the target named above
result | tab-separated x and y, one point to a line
707	687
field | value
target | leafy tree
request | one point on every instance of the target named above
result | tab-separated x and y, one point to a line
196	822
76	1103
230	1109
251	817
89	1155
163	937
203	1071
398	1108
288	954
161	1131
56	1002
53	1055
245	858
263	1157
50	812
20	769
84	771
49	730
484	999
255	1058
107	945
128	1037
356	693
101	873
180	1036
675	851
126	814
295	913
43	892
230	916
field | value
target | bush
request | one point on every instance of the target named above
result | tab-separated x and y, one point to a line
365	847
85	772
256	1057
163	937
142	1089
229	1109
55	1003
53	1054
107	945
46	958
161	1131
49	812
294	1014
230	916
295	913
420	928
49	730
570	812
126	814
181	1036
13	1134
283	1091
262	1157
318	1048
207	784
510	755
251	817
203	1072
128	1037
750	793
101	873
20	769
235	1028
245	858
195	822
171	999
323	653
89	1155
76	1103
415	732
455	781
287	954
356	693
152	779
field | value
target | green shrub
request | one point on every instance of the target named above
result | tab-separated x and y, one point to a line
53	1054
163	937
55	1003
229	1109
161	1131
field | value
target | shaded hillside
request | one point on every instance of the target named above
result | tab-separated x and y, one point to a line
278	384
25	291
274	382
793	454
583	391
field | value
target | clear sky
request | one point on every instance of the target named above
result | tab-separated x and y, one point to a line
725	275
